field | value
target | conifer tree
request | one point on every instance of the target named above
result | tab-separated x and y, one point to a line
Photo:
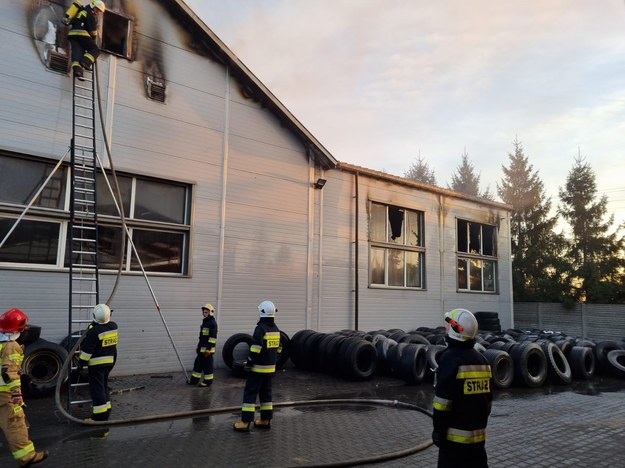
595	253
539	271
420	171
466	181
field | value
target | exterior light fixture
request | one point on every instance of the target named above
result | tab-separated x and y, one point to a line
320	183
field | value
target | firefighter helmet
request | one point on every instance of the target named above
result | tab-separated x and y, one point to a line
267	309
13	321
102	313
461	325
210	308
99	4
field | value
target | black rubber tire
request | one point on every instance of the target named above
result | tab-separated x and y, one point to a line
285	344
415	338
582	360
502	367
616	362
530	365
359	359
41	366
601	353
413	364
228	351
328	352
565	346
558	368
297	352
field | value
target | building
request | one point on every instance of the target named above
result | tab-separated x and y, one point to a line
224	196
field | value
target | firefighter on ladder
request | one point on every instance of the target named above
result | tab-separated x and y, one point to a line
462	396
83	30
99	352
12	418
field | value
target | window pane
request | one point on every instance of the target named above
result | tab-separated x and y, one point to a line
476	275
106	205
475	238
413	268
20	179
395	225
30	242
463	274
462	236
377	223
395	267
157	201
158	251
490	240
377	266
109	243
413	228
489	276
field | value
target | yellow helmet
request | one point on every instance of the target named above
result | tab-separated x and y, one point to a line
210	308
99	4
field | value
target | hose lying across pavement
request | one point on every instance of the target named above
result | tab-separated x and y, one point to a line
230	409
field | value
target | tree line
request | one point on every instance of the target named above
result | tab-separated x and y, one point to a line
585	265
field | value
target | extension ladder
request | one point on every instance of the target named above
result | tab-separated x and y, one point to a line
83	225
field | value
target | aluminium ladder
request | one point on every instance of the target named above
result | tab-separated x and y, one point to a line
83	225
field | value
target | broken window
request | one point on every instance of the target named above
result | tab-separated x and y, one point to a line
477	245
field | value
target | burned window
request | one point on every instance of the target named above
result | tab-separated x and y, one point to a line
477	245
116	35
397	254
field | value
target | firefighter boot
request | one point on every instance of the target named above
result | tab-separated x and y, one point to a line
263	423
241	426
193	381
37	457
78	72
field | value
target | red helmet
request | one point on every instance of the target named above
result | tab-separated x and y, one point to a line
13	321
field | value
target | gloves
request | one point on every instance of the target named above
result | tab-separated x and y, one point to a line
207	353
248	365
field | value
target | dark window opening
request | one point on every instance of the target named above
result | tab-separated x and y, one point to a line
117	34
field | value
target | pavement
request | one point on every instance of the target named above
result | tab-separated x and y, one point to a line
323	420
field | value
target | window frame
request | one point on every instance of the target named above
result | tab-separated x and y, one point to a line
400	244
11	210
473	266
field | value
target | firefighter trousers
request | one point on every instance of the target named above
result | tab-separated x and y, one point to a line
202	364
257	384
13	424
84	50
99	390
453	455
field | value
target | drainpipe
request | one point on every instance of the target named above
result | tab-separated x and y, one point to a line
224	186
320	259
441	252
356	288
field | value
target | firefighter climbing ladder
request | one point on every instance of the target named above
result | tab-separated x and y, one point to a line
83	234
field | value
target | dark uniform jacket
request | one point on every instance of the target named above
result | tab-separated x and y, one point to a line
84	23
265	346
463	395
100	345
208	335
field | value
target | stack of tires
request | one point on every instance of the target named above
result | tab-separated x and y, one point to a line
488	321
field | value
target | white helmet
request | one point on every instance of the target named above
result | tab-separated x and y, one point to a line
99	4
102	313
267	309
461	325
210	308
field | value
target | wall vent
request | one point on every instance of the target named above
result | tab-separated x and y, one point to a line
156	90
58	62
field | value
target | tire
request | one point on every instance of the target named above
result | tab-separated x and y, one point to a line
415	338
359	359
41	366
297	352
558	368
616	362
601	353
502	367
530	365
582	361
232	349
413	364
285	344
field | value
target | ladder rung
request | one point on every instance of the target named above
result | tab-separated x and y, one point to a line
84	265
83	227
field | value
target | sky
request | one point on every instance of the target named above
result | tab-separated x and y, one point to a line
382	82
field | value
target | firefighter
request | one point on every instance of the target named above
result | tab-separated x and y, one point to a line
82	34
205	349
462	396
12	417
98	351
261	366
